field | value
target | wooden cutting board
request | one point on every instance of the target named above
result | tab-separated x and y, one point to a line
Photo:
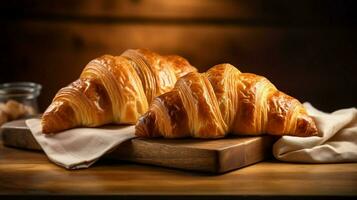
216	156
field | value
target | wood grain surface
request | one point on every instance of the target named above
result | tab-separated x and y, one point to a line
217	156
30	173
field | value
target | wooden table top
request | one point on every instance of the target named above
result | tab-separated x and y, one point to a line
26	172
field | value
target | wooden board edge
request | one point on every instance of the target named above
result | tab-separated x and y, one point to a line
10	139
244	154
136	150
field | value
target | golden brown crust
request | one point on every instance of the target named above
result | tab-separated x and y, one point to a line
114	89
168	109
58	116
199	101
223	100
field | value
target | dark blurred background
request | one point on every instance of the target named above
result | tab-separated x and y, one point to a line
307	48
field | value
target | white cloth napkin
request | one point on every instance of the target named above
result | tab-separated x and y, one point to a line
79	147
336	141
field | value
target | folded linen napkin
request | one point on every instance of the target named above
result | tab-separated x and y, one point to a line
336	141
79	147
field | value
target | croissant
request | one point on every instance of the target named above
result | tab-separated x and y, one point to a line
223	100
114	89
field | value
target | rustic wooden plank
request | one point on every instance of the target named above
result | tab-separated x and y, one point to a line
30	173
216	156
16	134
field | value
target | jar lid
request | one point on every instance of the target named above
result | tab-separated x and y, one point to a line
27	90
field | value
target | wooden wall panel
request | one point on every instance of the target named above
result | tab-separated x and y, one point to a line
296	44
312	65
138	8
277	12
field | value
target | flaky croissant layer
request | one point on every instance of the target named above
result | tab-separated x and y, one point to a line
114	89
223	100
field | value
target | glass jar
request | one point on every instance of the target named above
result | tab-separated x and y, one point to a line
18	99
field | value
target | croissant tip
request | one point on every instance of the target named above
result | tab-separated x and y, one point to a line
311	128
45	128
314	131
311	131
145	125
59	116
46	124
